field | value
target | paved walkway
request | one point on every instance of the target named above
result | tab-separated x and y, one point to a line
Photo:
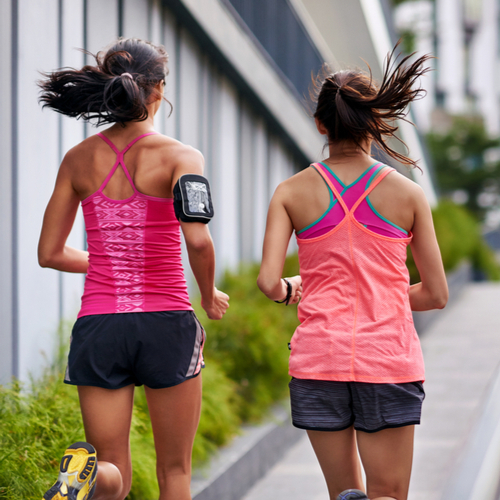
462	352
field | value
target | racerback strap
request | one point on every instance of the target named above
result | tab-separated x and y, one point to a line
119	158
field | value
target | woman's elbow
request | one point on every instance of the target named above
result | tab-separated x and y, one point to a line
440	299
266	286
44	260
199	243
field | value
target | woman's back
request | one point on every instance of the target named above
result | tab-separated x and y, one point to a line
307	196
151	163
355	315
133	235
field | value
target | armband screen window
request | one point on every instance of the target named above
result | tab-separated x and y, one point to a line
192	199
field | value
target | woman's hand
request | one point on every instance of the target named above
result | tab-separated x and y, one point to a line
216	308
296	282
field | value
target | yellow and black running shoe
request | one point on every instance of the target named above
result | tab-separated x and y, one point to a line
77	474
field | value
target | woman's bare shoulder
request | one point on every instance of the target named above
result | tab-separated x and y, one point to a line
401	185
301	180
176	152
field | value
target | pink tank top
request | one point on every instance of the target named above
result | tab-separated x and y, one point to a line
355	316
134	251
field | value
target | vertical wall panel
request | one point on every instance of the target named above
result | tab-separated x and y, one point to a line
155	22
246	166
136	18
72	132
38	154
204	118
155	36
189	93
170	43
102	28
227	221
260	198
6	200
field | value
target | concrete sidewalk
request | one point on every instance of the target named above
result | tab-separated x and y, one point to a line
461	352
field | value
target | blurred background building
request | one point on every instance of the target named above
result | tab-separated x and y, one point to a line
464	36
239	80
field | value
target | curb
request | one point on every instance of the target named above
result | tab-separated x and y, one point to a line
476	476
237	467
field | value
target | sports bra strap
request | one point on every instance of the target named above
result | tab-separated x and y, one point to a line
318	168
372	186
127	147
108	142
119	158
130	144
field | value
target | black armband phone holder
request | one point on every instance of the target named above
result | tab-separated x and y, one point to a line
192	199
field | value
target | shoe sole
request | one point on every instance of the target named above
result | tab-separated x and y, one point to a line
78	463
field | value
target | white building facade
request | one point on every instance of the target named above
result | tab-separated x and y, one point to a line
237	86
465	37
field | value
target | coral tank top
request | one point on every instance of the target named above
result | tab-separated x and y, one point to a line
134	251
355	316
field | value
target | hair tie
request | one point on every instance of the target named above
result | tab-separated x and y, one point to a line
127	75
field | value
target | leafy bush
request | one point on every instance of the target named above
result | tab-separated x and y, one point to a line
459	156
459	238
251	342
246	356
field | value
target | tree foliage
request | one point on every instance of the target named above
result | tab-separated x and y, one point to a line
460	159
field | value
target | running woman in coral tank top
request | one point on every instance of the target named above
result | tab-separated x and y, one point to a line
356	363
138	189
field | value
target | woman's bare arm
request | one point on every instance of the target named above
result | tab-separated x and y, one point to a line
199	244
278	232
432	291
57	223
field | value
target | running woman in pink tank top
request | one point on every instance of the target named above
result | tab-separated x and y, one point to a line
138	189
355	361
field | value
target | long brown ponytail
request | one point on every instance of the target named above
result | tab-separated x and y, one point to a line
116	89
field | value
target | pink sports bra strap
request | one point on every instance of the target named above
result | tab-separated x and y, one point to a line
108	142
119	158
130	144
384	173
318	168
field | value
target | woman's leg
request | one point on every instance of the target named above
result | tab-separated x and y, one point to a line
107	415
175	413
387	459
338	458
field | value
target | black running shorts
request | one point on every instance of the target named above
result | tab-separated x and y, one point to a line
322	405
157	349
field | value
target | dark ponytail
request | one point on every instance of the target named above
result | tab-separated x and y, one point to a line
353	108
116	89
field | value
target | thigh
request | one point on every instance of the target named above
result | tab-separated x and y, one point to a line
107	415
175	413
338	457
387	459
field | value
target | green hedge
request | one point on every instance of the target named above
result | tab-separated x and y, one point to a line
246	356
459	237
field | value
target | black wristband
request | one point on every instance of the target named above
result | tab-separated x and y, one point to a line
286	300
